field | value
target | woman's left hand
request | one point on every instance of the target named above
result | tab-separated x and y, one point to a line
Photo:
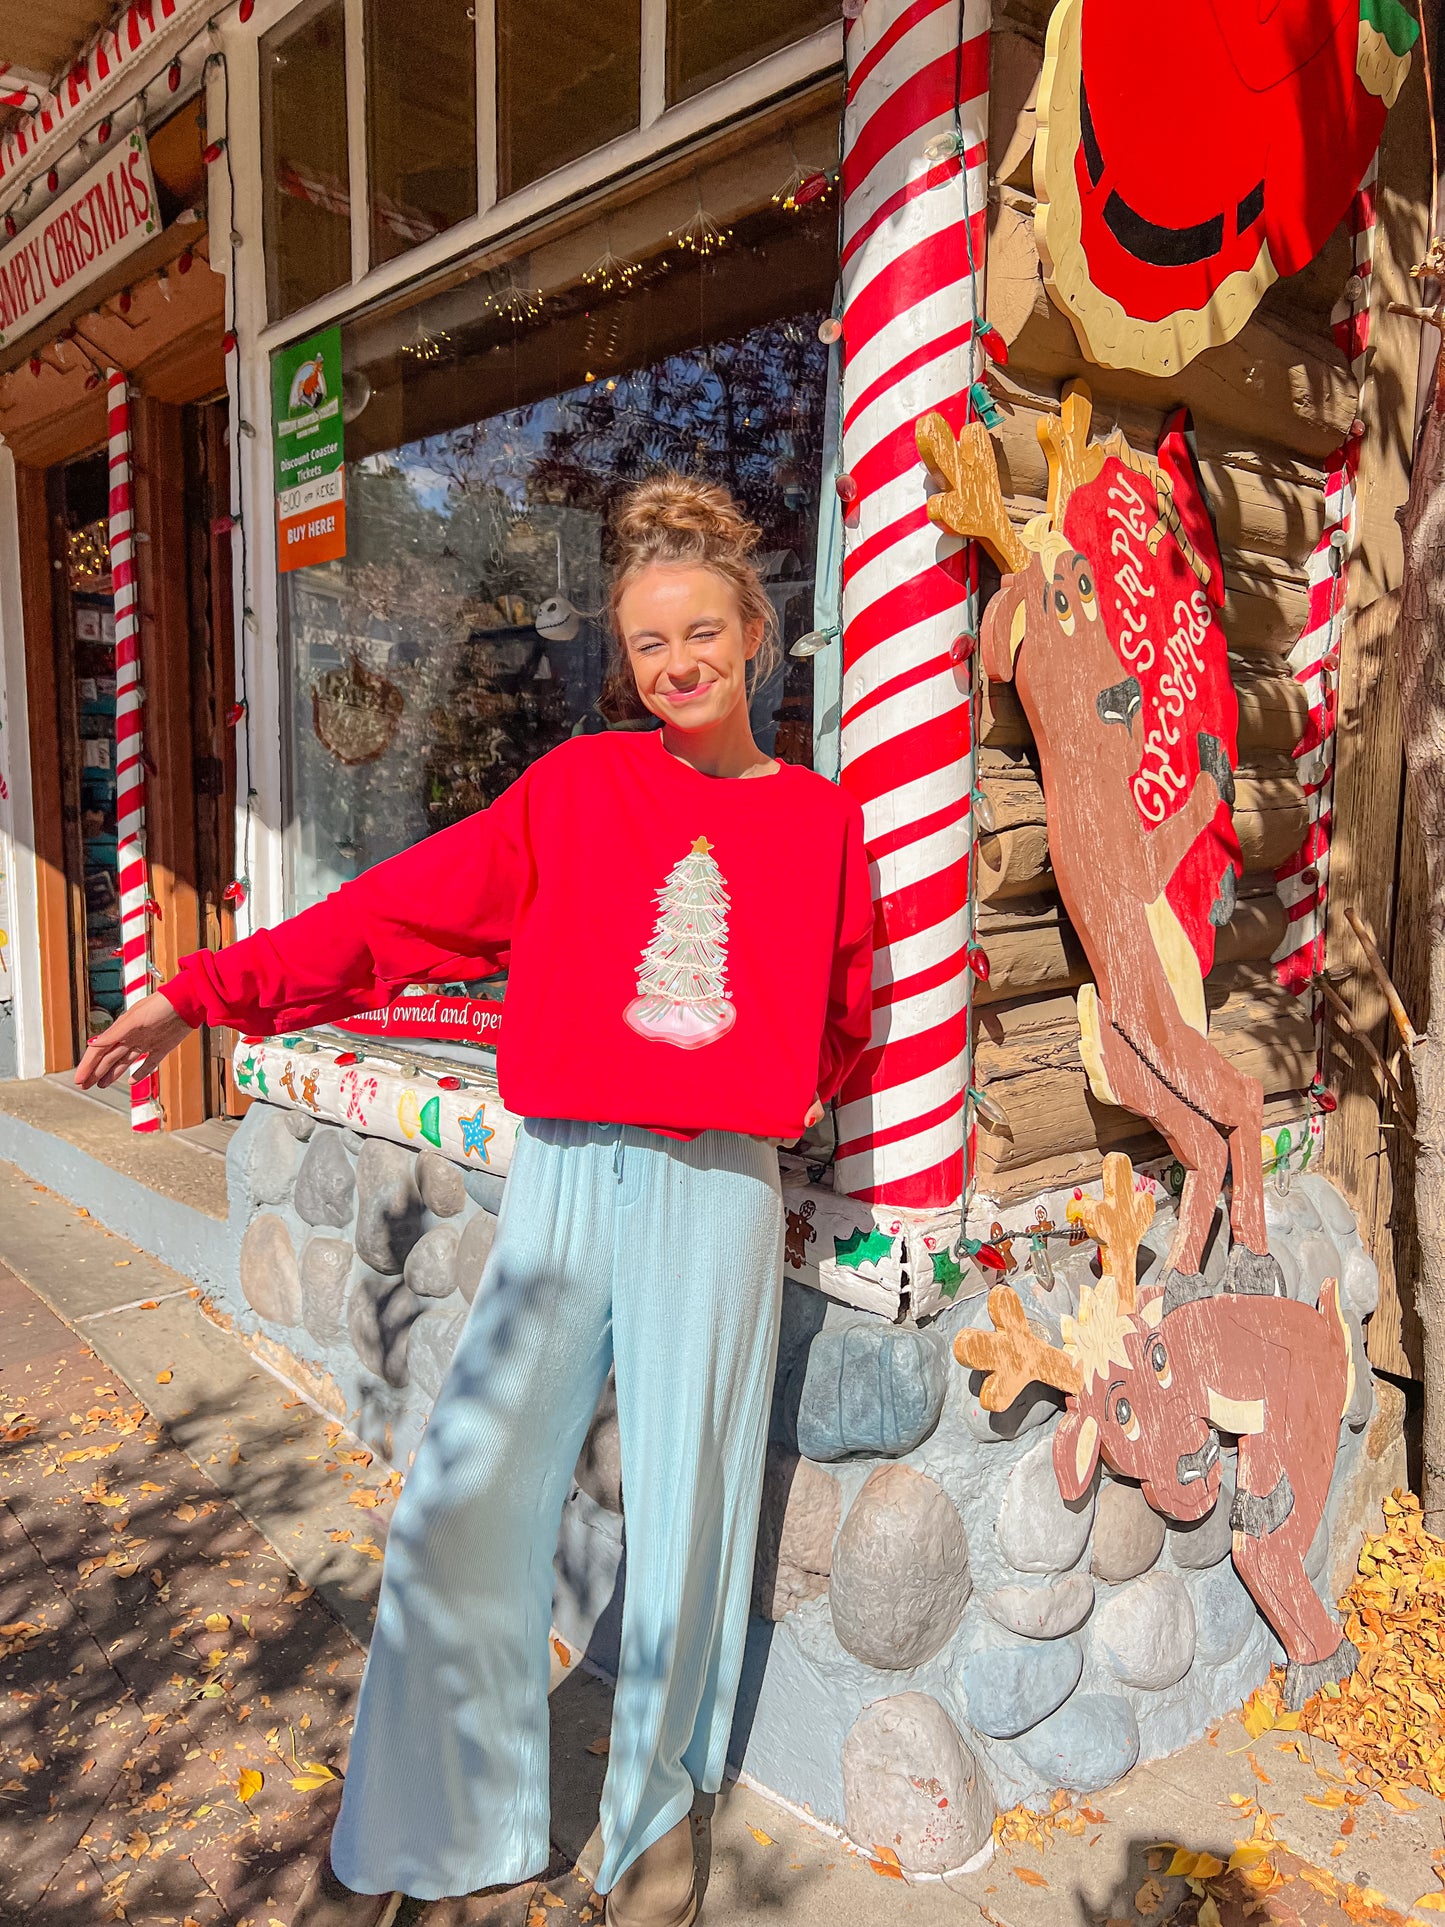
815	1113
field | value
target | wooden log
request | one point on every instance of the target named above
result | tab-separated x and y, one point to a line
1051	1110
1042	1033
1273	712
1279	380
1032	948
1270	820
1059	1170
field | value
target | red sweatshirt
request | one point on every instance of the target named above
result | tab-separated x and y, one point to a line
684	951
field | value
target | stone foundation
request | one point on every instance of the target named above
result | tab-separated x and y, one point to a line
937	1634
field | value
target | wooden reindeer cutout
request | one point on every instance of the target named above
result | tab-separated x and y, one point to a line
1147	1390
1106	621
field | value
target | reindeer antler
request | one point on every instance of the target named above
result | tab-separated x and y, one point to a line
1013	1355
1072	462
974	504
1117	1222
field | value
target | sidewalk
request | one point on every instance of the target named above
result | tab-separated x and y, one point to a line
189	1558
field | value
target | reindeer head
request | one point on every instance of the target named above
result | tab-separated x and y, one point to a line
1127	1403
1048	592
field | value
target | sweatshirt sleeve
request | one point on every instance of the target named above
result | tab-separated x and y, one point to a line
850	996
439	912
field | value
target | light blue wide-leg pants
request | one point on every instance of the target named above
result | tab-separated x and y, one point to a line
614	1245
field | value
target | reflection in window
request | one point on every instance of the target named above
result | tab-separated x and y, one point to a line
421	136
709	39
465	633
568	80
303	132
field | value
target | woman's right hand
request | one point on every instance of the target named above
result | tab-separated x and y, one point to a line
135	1043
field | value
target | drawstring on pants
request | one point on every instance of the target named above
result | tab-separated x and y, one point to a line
617	1157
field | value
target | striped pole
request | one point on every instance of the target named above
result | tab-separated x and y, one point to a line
913	220
145	1110
1303	882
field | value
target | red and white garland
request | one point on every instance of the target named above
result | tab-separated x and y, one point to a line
130	797
1303	881
914	226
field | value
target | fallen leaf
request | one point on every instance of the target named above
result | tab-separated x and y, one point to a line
562	1652
1208	1915
1431	1903
120	1263
1030	1876
217	1622
763	1839
149	1304
886	1862
1149	1899
601	1746
165	1377
1248	1854
1393	1797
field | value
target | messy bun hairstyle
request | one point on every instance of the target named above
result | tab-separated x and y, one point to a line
673	518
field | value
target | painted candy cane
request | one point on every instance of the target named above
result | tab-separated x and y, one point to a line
145	1110
907	749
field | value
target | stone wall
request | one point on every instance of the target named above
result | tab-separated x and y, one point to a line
937	1635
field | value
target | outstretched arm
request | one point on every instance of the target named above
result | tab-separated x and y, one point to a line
442	910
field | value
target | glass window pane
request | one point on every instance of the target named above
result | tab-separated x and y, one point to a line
709	39
465	632
421	120
303	132
569	75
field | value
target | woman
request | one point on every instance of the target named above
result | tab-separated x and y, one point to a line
687	929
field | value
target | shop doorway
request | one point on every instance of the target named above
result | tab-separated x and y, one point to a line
182	489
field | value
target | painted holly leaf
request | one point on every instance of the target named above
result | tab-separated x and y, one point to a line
947	1272
861	1248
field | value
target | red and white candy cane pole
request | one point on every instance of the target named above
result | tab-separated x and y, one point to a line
130	794
913	237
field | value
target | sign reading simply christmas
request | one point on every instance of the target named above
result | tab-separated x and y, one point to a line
98	220
310	455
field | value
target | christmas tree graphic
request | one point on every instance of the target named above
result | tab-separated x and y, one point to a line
680	996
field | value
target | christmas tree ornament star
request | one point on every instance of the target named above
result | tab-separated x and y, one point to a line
701	847
476	1135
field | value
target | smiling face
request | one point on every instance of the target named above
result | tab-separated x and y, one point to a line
686	644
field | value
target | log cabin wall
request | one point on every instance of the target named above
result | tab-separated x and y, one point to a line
1269	410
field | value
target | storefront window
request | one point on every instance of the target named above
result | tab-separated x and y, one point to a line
569	76
421	120
307	177
709	39
465	633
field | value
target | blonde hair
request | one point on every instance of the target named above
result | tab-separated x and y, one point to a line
672	518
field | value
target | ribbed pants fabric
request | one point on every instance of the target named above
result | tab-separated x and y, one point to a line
614	1246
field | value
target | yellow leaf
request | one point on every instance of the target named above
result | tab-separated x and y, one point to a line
1248	1854
1182	1865
1431	1903
308	1782
315	1767
249	1784
1393	1797
1206	1866
164	1378
763	1839
1333	1796
1257	1718
217	1622
1208	1915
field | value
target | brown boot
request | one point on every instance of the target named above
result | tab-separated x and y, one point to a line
659	1889
326	1902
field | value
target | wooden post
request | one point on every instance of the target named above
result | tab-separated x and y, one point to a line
1369	768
